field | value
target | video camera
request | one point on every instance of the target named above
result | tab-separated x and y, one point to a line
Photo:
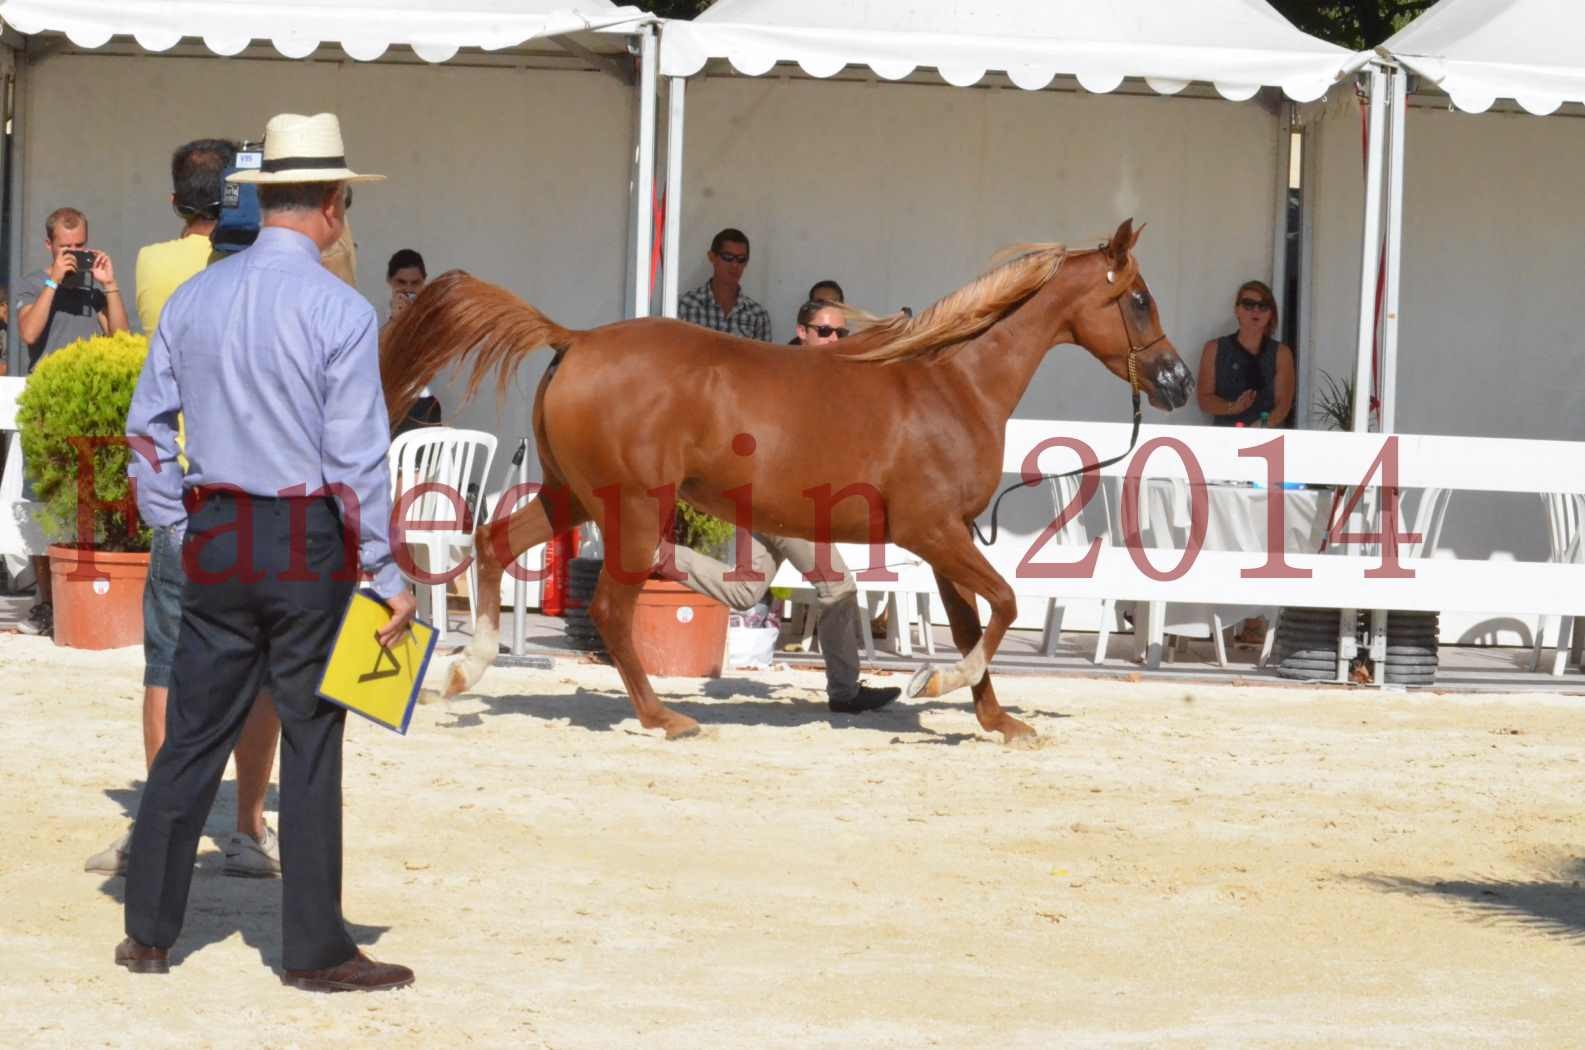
238	226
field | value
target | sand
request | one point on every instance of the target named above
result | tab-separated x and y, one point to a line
1179	866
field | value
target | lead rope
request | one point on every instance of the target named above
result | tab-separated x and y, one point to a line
1133	380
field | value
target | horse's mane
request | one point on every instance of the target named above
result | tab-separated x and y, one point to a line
960	316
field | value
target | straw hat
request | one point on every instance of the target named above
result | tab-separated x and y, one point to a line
302	149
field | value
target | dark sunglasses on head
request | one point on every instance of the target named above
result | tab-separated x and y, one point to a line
728	257
1254	304
824	331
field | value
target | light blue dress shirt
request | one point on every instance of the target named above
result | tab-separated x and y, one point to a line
274	362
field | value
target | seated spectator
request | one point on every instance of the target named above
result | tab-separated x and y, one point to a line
1246	377
827	291
405	275
720	302
820	323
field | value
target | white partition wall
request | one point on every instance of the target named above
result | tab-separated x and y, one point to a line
903	192
519	176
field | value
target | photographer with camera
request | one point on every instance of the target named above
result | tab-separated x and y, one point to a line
76	298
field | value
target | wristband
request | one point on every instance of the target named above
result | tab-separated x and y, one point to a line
51	284
112	290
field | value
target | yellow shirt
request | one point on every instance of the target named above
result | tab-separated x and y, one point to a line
161	270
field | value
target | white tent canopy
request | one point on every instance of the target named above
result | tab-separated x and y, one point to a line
1532	51
364	29
1237	45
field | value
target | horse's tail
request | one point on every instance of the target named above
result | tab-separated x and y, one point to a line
455	316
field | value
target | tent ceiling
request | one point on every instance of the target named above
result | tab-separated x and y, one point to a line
1532	51
1237	45
364	29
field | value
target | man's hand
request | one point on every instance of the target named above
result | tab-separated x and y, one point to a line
402	605
65	265
103	272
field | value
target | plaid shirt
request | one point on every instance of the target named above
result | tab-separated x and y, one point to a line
747	319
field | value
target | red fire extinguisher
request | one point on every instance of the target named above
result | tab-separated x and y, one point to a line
559	553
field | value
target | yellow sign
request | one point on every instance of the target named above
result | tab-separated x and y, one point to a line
363	676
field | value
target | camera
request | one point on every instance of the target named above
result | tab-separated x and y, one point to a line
80	278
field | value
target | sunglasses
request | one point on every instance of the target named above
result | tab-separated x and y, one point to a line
825	331
1254	304
728	257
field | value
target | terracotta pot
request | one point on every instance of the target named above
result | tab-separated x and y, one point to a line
98	597
678	632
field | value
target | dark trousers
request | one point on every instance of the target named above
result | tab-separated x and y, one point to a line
268	580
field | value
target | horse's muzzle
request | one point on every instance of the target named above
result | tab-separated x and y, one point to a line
1171	383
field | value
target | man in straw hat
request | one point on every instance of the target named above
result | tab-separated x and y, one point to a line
274	362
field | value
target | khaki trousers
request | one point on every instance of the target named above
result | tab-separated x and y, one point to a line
838	600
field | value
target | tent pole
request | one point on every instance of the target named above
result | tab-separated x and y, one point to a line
673	261
17	161
1397	127
1279	233
644	184
1370	262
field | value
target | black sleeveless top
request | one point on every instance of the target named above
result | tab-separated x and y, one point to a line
1237	370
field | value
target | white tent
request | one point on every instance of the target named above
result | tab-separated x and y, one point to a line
364	30
1477	51
1238	45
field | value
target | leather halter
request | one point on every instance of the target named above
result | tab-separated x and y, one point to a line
1134	350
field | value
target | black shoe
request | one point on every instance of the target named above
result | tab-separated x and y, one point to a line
869	698
40	620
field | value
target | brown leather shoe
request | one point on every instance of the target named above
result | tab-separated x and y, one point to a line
140	958
358	974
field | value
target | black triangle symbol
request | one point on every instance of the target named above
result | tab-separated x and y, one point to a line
377	671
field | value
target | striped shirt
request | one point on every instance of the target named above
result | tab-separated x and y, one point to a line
747	319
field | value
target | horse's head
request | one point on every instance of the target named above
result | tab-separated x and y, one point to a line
1117	322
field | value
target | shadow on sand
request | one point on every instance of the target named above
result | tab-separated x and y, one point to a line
754	704
1553	907
221	905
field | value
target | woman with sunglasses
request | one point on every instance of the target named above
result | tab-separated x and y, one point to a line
1246	378
819	323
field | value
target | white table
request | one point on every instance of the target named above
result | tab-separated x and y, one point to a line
1235	521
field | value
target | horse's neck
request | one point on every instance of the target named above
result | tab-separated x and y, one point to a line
999	364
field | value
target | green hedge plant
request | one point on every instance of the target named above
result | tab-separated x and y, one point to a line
83	391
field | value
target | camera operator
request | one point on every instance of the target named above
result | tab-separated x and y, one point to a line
197	183
76	298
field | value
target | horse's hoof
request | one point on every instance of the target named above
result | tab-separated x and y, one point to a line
924	683
682	729
1017	734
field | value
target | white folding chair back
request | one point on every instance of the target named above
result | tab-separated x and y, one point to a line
457	463
1565	511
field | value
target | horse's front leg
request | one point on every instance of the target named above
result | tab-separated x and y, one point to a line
961	573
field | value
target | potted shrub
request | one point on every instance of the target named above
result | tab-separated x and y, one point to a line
675	630
72	414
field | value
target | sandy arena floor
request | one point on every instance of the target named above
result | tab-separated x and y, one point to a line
1181	866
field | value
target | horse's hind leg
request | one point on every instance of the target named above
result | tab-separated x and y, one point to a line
962	572
629	554
497	544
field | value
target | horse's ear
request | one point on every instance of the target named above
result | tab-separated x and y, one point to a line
1138	234
1117	248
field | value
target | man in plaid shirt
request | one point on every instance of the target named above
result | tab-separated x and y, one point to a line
720	303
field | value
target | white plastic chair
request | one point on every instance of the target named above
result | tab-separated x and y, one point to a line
1075	532
1565	510
450	458
20	535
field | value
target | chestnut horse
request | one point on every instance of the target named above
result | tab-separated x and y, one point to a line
894	433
